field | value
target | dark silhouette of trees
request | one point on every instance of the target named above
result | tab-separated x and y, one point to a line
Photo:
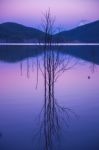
52	114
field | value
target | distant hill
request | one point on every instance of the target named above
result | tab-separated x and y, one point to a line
13	32
85	33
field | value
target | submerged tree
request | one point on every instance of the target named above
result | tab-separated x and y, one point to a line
54	65
52	113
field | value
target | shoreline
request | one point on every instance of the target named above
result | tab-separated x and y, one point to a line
47	44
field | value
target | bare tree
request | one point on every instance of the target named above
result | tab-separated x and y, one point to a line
48	22
53	66
52	114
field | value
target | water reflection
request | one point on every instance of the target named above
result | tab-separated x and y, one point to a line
0	134
53	63
92	66
53	114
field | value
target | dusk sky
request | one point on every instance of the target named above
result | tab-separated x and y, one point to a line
68	13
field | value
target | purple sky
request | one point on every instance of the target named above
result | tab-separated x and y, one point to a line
69	13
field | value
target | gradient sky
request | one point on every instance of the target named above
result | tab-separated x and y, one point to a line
68	13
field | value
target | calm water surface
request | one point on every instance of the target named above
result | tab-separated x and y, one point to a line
49	100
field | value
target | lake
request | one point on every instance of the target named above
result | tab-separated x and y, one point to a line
49	97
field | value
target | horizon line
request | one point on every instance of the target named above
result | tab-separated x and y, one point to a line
52	44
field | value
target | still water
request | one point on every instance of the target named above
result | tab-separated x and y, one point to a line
49	99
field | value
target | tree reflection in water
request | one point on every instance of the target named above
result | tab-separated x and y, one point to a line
53	115
92	65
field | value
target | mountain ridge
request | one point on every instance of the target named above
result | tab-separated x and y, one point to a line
14	32
85	33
